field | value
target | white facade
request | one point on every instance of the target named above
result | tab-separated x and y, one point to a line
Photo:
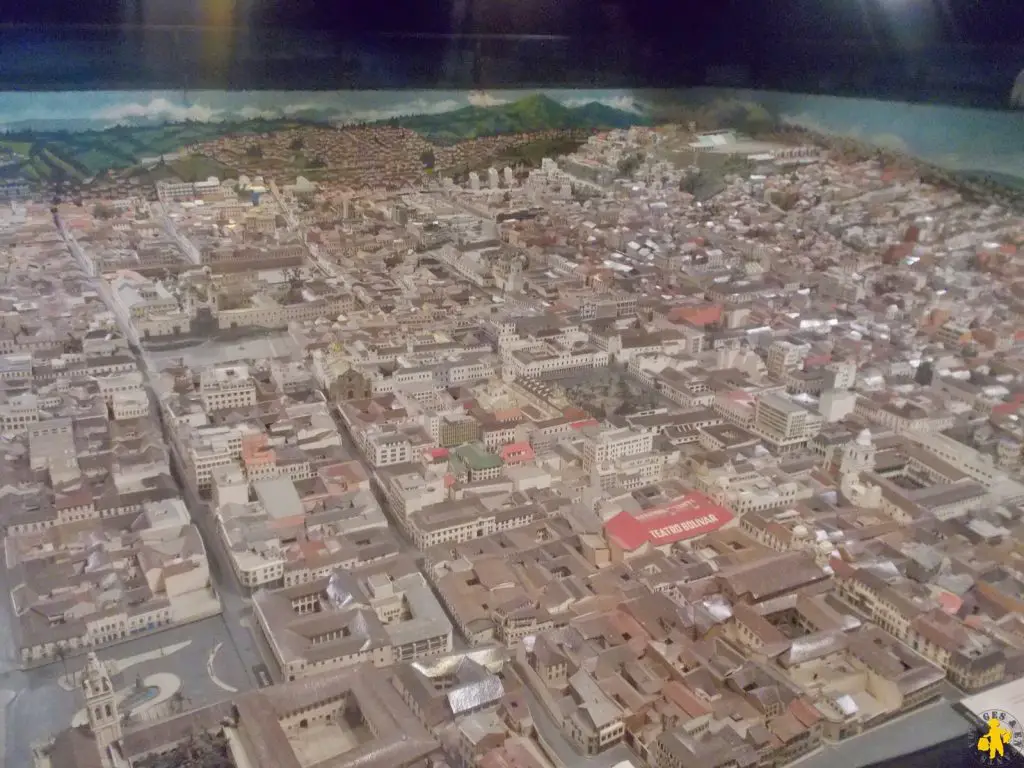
613	444
228	386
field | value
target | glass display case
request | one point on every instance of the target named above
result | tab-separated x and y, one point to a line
483	384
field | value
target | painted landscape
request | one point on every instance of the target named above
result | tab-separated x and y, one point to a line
119	139
160	138
527	115
81	155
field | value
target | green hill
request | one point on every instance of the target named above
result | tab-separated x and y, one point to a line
598	115
49	156
189	168
527	115
40	160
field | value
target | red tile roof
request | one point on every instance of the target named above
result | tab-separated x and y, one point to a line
949	602
701	314
693	514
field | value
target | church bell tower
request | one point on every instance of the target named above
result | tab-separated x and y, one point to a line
858	456
101	706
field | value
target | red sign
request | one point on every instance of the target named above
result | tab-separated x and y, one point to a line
689	516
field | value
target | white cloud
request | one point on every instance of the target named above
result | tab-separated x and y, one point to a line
155	109
624	103
251	113
417	107
293	109
164	110
485	99
1017	94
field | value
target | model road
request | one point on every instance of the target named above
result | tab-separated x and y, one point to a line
293	224
346	435
33	707
923	728
237	613
186	246
232	597
375	485
552	736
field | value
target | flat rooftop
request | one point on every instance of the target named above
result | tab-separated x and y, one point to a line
1008	697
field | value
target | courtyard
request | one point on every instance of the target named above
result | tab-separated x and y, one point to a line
606	392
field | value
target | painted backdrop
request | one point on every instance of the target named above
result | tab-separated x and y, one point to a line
78	136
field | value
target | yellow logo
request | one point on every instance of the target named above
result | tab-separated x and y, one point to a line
1002	733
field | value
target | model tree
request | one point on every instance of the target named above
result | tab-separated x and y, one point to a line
924	373
627	166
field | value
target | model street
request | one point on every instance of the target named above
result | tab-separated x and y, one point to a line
931	725
237	613
233	600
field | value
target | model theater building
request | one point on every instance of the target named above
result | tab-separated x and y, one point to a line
689	516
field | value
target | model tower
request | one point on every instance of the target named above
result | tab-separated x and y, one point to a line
101	706
858	456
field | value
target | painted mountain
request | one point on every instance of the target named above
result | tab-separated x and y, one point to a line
48	156
532	113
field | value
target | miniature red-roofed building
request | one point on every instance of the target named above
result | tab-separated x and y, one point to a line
517	453
690	516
